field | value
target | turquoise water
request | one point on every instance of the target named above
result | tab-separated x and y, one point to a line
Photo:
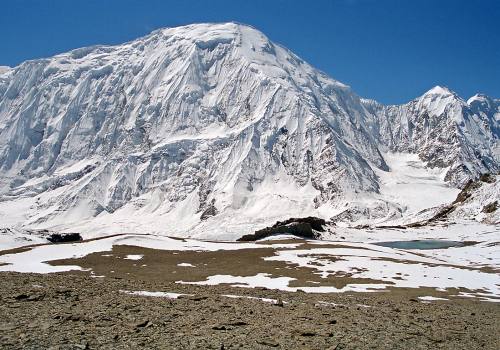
421	244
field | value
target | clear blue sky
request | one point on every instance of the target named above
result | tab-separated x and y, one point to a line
389	50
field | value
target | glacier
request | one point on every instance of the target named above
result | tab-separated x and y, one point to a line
212	130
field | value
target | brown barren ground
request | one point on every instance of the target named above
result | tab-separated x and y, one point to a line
73	310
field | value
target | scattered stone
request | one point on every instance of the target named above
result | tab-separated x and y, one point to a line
142	324
306	333
20	297
74	318
112	320
220	328
268	342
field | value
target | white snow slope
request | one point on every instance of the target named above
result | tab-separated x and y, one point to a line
212	128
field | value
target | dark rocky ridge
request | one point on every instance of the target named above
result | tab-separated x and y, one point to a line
307	227
64	237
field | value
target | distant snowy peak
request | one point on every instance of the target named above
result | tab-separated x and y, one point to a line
445	131
440	101
484	100
487	106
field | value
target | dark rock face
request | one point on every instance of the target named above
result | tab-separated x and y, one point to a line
64	237
210	211
467	191
472	185
488	178
490	208
301	227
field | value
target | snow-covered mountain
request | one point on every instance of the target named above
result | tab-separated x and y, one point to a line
445	131
214	129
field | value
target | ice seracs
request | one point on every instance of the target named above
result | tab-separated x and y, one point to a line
211	129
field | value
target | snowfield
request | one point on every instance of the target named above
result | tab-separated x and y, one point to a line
468	267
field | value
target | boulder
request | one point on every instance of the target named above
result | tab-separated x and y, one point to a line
307	227
64	237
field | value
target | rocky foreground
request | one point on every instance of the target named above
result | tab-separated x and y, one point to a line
74	311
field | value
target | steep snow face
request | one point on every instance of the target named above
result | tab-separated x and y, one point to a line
184	123
213	128
445	131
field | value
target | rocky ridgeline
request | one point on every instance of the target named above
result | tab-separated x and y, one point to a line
64	237
309	227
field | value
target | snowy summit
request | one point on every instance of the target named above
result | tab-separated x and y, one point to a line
214	130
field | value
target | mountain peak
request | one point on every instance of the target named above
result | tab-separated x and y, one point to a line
439	90
479	98
220	27
214	32
438	98
209	118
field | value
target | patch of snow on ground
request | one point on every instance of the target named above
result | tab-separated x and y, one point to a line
280	283
134	257
154	294
279	237
266	300
408	271
326	303
431	298
35	259
259	280
457	267
185	265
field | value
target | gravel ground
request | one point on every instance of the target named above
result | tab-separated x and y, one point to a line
74	311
